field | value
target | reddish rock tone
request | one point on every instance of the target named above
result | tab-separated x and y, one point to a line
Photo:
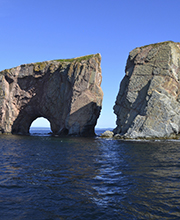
65	92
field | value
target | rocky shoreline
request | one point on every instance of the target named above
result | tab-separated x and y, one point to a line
111	135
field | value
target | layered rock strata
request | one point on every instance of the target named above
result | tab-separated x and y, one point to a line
148	102
65	92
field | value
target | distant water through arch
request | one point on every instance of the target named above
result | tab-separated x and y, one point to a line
40	127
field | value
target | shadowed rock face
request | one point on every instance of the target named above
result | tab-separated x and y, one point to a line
148	102
65	92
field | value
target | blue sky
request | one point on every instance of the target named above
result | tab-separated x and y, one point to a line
39	30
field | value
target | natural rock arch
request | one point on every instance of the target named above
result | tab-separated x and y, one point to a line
65	92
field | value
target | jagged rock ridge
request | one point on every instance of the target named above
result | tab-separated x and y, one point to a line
148	102
65	92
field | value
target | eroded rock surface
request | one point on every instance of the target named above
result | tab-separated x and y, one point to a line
66	92
107	134
148	102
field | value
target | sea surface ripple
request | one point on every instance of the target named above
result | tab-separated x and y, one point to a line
44	177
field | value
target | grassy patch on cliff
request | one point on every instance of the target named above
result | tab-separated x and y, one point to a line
38	66
78	59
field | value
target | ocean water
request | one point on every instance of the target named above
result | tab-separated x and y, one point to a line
44	177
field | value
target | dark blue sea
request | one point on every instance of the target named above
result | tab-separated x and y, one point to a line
45	177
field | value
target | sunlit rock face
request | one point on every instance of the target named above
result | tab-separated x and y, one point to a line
65	92
148	102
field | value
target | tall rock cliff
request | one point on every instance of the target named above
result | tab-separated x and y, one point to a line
65	92
148	102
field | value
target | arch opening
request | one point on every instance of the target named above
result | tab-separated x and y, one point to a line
40	126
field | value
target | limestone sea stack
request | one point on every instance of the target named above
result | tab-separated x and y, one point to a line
65	92
148	102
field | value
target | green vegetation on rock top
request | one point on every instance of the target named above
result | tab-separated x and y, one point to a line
40	65
78	59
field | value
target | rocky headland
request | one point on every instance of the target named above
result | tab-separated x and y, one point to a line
148	102
65	92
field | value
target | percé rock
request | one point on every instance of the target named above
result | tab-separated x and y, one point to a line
148	102
65	92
